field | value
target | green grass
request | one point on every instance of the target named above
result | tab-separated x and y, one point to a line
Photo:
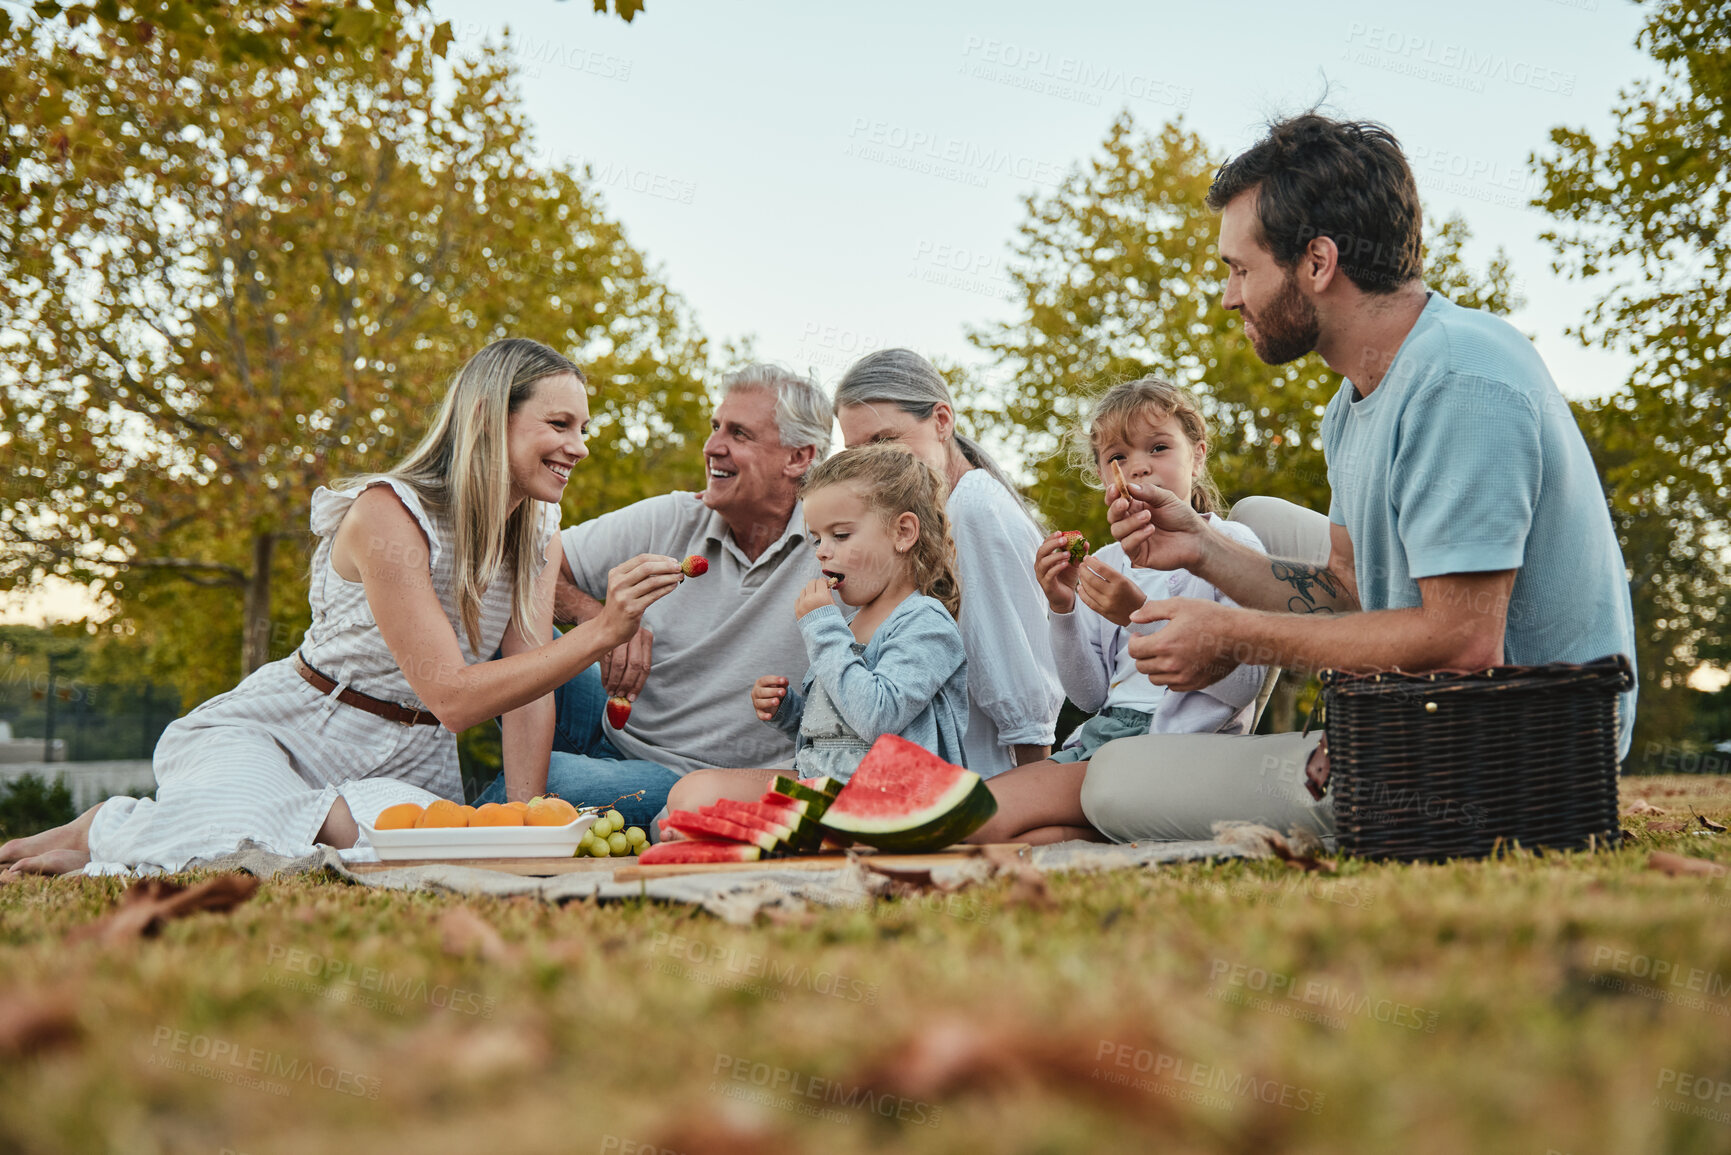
1471	1007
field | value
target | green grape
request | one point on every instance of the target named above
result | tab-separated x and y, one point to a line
599	848
618	844
615	819
636	836
602	827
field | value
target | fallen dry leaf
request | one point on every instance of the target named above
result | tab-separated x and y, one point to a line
1642	806
1028	885
1715	827
1678	865
727	1132
1666	827
463	932
148	904
35	1021
953	1054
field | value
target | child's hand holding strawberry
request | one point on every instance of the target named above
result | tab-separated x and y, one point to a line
815	595
767	694
1056	569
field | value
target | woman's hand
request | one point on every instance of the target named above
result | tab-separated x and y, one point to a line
1056	573
814	596
631	589
1109	593
767	694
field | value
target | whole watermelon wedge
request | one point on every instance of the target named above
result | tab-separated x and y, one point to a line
906	799
698	850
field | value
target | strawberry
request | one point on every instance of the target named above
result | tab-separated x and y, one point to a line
694	566
1076	544
618	709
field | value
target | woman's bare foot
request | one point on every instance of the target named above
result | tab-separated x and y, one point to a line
74	835
48	862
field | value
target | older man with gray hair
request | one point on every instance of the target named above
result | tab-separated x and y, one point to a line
688	671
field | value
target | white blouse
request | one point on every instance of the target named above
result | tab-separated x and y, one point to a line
1013	691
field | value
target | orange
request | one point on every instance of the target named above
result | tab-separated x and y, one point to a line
442	813
402	816
493	814
519	807
468	815
550	812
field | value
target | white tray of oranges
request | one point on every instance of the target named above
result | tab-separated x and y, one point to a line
541	828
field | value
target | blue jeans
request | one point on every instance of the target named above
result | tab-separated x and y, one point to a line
586	769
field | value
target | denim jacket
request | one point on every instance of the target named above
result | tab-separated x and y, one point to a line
911	680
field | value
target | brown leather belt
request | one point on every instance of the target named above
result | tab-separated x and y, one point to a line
389	711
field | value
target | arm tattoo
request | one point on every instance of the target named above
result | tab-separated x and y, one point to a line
1303	579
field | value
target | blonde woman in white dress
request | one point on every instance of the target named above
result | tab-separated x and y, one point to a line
420	575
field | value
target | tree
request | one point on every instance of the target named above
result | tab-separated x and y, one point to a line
1643	213
1120	277
225	282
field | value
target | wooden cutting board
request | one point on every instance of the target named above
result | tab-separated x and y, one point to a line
627	870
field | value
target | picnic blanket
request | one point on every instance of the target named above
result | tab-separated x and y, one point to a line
740	896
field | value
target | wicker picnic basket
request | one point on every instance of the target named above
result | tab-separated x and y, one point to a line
1437	766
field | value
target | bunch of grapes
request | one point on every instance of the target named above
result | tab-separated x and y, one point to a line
611	838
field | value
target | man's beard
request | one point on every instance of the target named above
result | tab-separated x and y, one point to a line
1288	328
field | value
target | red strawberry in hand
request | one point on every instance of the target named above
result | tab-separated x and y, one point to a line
618	709
694	566
1076	544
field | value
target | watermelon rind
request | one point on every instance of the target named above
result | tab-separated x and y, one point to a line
815	790
698	850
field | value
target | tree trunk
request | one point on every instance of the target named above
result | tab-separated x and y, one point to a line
255	619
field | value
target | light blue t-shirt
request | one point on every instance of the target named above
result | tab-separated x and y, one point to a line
1467	459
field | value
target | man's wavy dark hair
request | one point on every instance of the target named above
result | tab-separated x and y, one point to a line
1345	180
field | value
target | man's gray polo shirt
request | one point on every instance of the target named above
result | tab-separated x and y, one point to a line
714	635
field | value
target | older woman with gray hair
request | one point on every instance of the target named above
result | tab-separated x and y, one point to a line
1013	691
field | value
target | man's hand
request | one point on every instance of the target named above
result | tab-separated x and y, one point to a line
815	595
625	669
767	694
1109	593
1157	528
1187	652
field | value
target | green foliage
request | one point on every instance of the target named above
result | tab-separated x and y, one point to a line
29	805
1119	277
245	278
1642	214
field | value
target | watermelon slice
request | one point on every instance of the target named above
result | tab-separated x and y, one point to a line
804	821
708	826
785	837
698	850
784	822
904	798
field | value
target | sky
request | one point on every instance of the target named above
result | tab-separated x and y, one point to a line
833	178
828	179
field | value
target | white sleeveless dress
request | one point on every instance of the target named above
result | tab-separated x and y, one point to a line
267	760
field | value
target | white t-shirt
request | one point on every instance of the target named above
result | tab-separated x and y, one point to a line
1095	667
1013	691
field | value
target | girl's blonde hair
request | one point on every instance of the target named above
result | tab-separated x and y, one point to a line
1147	398
461	471
893	482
